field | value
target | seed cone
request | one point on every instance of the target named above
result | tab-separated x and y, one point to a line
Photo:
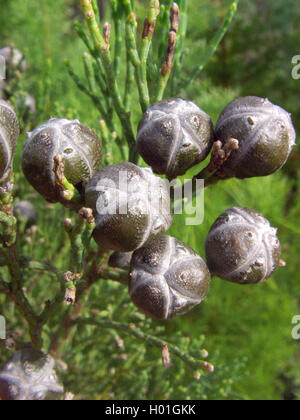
130	204
242	247
28	376
265	133
173	136
9	133
78	145
167	278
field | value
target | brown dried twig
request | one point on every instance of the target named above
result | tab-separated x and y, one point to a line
171	47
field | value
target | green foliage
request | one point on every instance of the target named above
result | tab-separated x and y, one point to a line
257	56
247	330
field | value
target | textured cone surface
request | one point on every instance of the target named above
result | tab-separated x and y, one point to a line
78	145
173	136
9	133
265	133
242	247
30	375
167	278
130	204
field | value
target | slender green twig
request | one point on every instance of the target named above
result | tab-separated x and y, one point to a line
147	35
96	9
131	41
18	296
132	57
90	46
81	33
117	18
128	84
163	19
51	307
89	72
98	264
8	223
128	6
114	274
101	82
141	76
100	76
106	142
118	47
80	235
7	219
104	52
80	84
15	288
139	57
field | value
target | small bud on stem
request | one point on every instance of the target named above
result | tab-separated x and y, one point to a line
165	354
174	19
107	33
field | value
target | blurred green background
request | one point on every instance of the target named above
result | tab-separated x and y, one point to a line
247	329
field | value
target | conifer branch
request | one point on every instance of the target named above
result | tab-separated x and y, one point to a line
132	330
104	53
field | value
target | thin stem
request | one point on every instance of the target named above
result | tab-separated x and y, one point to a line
164	18
96	9
99	262
107	142
117	15
52	307
89	72
81	33
136	61
104	51
17	294
79	235
129	83
15	288
40	266
80	84
8	223
148	31
114	274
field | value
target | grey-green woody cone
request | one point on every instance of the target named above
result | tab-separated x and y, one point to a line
242	247
173	136
167	278
9	133
78	146
131	206
265	133
30	376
